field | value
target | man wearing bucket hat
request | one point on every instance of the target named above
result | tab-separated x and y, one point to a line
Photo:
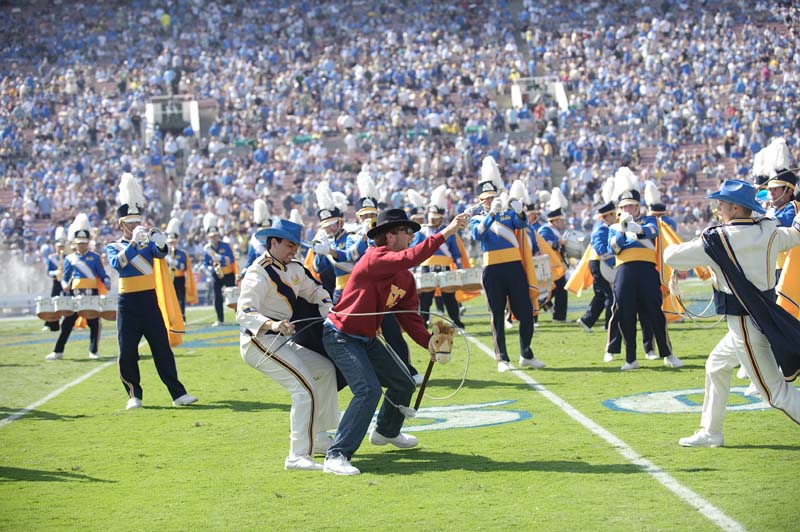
83	270
761	336
380	281
273	289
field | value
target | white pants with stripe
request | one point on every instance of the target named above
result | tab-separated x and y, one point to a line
744	344
310	379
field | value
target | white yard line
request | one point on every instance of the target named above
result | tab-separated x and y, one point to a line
19	413
708	510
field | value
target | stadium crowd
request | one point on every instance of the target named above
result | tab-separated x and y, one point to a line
415	93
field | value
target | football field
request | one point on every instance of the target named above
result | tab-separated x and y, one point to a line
578	445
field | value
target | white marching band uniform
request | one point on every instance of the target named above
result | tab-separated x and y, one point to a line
756	245
309	377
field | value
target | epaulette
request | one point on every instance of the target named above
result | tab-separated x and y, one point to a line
264	261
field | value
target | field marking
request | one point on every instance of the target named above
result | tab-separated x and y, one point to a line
19	413
708	510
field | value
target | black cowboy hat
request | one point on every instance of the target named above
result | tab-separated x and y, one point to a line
389	219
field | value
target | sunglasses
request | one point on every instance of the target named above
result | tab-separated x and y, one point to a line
406	230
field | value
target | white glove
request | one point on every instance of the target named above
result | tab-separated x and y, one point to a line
625	217
673	284
516	206
159	239
324	308
139	234
635	228
367	224
497	206
321	248
631	235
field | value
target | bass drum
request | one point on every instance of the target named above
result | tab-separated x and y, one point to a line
575	244
607	272
231	296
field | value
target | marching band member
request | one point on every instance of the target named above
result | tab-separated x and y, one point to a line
83	270
270	291
55	270
332	255
552	233
637	286
442	258
780	187
138	312
180	268
261	219
380	281
220	263
761	336
504	279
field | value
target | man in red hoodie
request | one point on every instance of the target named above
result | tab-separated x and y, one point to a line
380	282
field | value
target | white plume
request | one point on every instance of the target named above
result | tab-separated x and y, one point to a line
651	193
366	186
543	195
80	223
607	192
490	172
324	196
209	221
173	227
260	212
60	234
340	199
760	166
131	193
294	216
416	199
439	197
557	200
779	157
519	192
624	180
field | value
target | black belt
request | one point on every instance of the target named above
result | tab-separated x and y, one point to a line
729	304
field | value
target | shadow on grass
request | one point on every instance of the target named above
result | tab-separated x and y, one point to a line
476	383
775	447
40	415
11	474
615	368
236	406
416	460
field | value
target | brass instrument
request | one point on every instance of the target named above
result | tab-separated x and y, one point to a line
215	261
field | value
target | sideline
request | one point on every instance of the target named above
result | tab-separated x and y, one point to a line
19	413
708	510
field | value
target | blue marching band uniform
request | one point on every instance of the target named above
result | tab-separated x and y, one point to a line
600	252
552	236
220	264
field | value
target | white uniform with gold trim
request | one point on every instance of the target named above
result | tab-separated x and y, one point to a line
756	246
267	290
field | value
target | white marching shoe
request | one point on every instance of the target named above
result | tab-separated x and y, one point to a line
401	441
673	362
503	366
184	400
582	323
701	438
651	355
303	463
133	402
54	356
533	363
339	465
608	357
628	366
94	356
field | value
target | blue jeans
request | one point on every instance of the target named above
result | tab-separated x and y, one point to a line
367	365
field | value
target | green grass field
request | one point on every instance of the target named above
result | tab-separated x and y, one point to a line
508	455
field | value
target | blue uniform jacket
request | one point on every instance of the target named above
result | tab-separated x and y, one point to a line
134	264
629	249
84	271
496	234
600	244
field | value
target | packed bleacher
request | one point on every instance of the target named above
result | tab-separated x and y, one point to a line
415	93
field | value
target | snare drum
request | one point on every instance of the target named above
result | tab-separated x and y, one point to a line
471	279
63	306
575	244
87	306
426	281
450	281
108	308
544	276
607	272
231	294
45	310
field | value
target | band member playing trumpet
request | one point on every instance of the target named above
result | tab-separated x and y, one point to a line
180	268
138	312
82	272
55	270
220	263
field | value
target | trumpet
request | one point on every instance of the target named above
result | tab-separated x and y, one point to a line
215	261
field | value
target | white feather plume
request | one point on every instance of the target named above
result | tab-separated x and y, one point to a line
324	196
209	221
490	172
366	186
340	199
294	216
131	193
624	180
779	156
557	200
173	227
260	212
760	163
543	195
416	199
607	192
439	197
81	223
651	193
519	192
60	234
